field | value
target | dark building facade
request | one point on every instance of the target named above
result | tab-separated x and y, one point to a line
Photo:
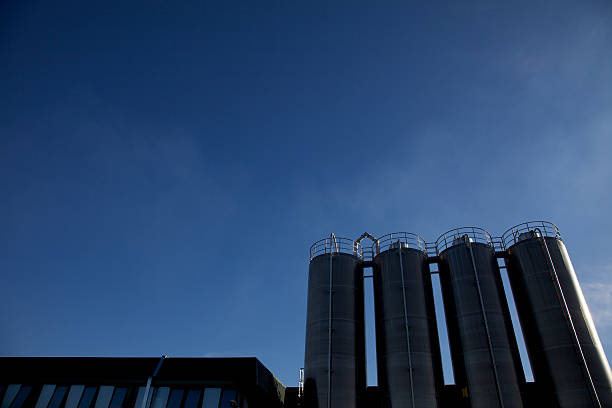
83	382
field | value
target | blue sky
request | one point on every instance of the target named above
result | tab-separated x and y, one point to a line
166	167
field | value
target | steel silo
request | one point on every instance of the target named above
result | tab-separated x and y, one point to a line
407	345
486	361
567	359
335	357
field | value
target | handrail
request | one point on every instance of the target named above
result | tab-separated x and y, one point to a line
333	244
515	234
456	236
403	239
368	252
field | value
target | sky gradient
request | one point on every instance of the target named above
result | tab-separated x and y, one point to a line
164	168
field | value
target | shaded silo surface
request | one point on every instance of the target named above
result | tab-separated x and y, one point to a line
407	345
568	362
335	356
486	361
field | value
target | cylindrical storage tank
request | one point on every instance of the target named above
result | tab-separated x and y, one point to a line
568	362
486	360
335	356
407	345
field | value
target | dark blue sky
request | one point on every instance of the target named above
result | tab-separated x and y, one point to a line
164	167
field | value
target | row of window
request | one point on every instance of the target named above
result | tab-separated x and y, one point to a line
106	396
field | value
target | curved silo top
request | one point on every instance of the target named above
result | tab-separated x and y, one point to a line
461	235
528	230
336	245
399	240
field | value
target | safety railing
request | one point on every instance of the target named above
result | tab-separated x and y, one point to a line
528	230
397	239
457	235
430	249
369	252
335	245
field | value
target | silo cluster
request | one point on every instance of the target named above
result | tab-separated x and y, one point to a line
568	363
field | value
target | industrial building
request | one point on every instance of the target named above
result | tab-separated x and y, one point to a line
568	363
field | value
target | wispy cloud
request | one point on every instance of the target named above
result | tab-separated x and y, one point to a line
599	297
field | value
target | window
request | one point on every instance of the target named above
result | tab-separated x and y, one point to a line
228	395
140	397
211	398
45	395
21	396
118	397
104	396
192	399
88	397
176	396
10	394
74	395
58	396
161	397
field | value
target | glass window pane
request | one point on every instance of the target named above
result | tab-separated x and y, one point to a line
10	394
88	397
104	396
211	398
118	397
21	396
74	395
58	396
45	395
161	397
228	395
193	397
139	397
176	396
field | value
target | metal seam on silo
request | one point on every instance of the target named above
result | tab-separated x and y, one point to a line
568	315
486	324
406	324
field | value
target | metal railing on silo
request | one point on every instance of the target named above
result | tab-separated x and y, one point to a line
397	239
456	236
528	230
335	245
